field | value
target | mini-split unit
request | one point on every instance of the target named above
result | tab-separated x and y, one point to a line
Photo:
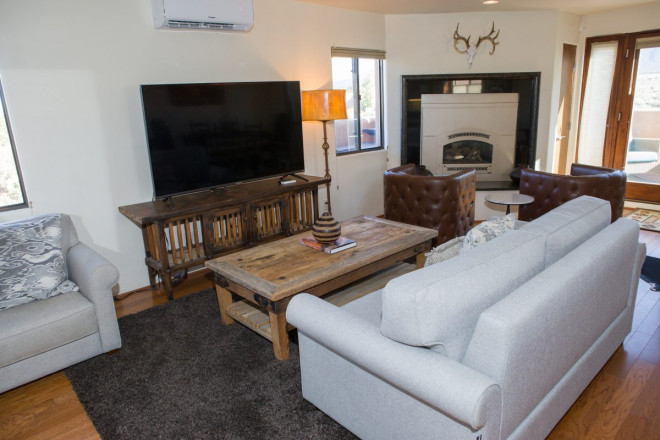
220	15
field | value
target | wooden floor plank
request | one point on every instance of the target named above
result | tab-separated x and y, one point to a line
624	358
650	323
615	410
651	353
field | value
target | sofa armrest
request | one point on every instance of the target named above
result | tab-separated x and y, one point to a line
440	382
96	277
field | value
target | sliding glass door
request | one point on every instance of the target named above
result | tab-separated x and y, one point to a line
620	109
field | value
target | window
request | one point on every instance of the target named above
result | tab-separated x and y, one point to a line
360	73
12	191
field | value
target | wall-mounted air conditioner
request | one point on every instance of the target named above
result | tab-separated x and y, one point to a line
222	15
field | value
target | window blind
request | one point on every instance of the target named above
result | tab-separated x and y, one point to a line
596	104
357	53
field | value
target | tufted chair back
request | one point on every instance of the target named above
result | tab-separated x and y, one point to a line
445	203
551	190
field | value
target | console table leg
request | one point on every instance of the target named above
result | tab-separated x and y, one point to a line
279	335
224	300
167	285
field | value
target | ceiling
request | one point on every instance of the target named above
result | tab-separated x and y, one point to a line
579	7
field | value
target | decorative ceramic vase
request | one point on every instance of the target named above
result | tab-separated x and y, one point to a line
326	229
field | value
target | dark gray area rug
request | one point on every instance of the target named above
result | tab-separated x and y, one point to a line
651	272
181	374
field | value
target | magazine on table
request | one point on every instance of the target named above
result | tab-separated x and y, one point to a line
341	244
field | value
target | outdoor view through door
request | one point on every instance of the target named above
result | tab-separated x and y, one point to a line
620	113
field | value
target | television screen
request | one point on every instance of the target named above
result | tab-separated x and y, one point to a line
205	135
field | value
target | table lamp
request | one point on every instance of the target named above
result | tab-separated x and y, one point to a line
324	106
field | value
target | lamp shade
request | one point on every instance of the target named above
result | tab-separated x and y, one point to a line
323	105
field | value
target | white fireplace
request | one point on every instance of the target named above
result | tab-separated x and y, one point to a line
477	131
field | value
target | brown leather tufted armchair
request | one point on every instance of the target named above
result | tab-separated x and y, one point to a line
446	203
551	190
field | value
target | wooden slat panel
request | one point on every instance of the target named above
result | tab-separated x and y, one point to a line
179	225
185	240
189	240
228	230
268	220
152	233
171	240
308	209
198	237
239	227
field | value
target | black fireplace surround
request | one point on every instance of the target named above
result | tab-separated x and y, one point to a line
526	84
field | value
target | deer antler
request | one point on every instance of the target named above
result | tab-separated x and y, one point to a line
458	38
490	37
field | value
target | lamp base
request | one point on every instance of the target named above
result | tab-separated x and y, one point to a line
326	229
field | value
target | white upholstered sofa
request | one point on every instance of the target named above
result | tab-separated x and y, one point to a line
495	343
44	327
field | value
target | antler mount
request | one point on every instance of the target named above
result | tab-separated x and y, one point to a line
471	51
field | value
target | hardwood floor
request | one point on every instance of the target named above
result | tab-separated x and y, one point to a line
622	402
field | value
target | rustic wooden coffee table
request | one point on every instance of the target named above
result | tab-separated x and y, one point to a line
270	274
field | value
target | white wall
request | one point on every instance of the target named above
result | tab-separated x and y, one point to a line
71	72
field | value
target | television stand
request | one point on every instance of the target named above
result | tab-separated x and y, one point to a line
207	224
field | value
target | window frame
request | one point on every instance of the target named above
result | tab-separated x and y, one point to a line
19	172
356	55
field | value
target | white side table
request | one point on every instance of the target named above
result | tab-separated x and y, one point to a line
509	199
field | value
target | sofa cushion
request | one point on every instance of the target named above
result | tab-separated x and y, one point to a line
33	259
569	225
40	326
438	306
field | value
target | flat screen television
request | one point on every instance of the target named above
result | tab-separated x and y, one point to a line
202	136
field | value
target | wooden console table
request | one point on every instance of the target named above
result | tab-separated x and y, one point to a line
187	230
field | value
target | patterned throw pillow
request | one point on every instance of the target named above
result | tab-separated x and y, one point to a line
444	252
32	261
486	231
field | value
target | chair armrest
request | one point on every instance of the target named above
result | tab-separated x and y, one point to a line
96	277
440	382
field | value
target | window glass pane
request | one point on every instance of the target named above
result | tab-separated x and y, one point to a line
10	184
596	102
369	103
345	130
643	156
361	78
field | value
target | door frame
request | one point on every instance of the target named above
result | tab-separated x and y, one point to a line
620	109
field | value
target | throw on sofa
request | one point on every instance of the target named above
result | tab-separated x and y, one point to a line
415	196
495	343
56	306
551	190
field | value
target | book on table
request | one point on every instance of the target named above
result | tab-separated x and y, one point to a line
341	244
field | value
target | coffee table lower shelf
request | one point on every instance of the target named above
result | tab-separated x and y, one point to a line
256	318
